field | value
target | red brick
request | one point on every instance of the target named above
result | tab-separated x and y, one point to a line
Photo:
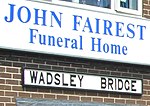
125	96
103	94
145	82
135	97
24	95
145	12
12	70
2	81
9	93
86	99
149	80
69	92
107	100
5	99
56	91
1	104
115	95
122	101
76	98
12	82
145	97
80	92
5	75
16	76
145	92
49	96
44	90
2	69
13	99
61	97
147	7
148	102
10	104
1	93
17	88
145	1
33	95
92	93
146	87
97	99
5	87
141	102
148	92
130	101
147	16
35	89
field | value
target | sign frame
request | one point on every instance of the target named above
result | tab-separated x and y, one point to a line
78	73
115	39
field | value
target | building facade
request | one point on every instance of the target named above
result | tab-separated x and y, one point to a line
13	92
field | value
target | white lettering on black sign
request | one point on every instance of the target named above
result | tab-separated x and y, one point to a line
81	81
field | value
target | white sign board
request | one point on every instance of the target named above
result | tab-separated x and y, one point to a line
54	29
33	77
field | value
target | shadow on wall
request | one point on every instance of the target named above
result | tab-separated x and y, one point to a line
43	102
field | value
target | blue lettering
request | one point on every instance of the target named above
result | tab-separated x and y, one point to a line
11	17
28	14
98	44
42	17
51	40
132	35
88	25
106	48
32	35
124	50
59	42
81	48
107	27
76	22
42	39
115	49
74	44
119	26
58	20
66	42
141	31
97	26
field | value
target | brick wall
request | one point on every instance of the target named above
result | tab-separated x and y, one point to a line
10	76
11	88
146	8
